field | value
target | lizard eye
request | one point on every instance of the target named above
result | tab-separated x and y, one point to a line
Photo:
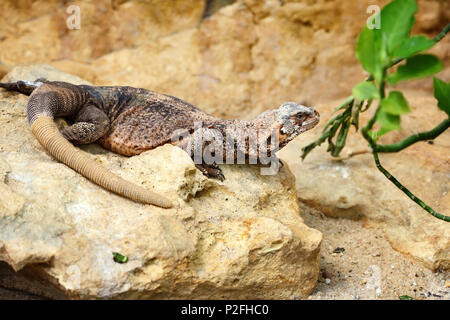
301	116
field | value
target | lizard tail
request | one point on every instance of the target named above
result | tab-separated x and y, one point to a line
51	139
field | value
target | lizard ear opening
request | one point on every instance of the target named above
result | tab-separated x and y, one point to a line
52	140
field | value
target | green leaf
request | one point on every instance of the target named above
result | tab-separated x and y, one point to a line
365	90
412	46
405	297
395	104
418	66
397	19
369	51
442	94
388	122
119	258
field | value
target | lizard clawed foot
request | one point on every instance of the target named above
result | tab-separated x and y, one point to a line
211	171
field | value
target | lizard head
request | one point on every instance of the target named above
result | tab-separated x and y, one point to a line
287	122
291	119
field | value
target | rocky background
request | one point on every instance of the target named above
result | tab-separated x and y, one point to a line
236	59
233	62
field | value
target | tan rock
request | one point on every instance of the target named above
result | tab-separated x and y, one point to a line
243	238
4	70
355	189
81	69
160	65
41	71
37	31
251	55
247	57
12	202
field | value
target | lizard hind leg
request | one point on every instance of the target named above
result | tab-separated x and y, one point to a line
90	125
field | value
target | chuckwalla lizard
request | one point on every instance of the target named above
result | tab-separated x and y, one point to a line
130	121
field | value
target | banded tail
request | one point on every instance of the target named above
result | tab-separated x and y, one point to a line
45	130
59	98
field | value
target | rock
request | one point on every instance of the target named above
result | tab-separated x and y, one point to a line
41	71
355	189
250	56
247	57
37	31
243	238
3	70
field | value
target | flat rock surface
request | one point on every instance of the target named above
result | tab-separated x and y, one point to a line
243	238
357	263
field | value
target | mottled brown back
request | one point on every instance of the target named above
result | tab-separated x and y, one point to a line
142	119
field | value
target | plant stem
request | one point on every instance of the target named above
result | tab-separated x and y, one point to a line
428	135
371	122
391	178
381	90
436	131
442	34
383	84
382	95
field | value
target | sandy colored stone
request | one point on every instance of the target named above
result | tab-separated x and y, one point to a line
40	71
36	31
12	202
367	256
243	238
368	268
355	189
247	57
3	70
251	55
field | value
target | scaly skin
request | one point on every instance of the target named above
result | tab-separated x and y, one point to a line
130	121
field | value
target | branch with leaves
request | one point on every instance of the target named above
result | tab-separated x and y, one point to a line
378	51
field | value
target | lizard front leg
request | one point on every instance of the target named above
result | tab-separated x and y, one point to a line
188	144
211	170
91	124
